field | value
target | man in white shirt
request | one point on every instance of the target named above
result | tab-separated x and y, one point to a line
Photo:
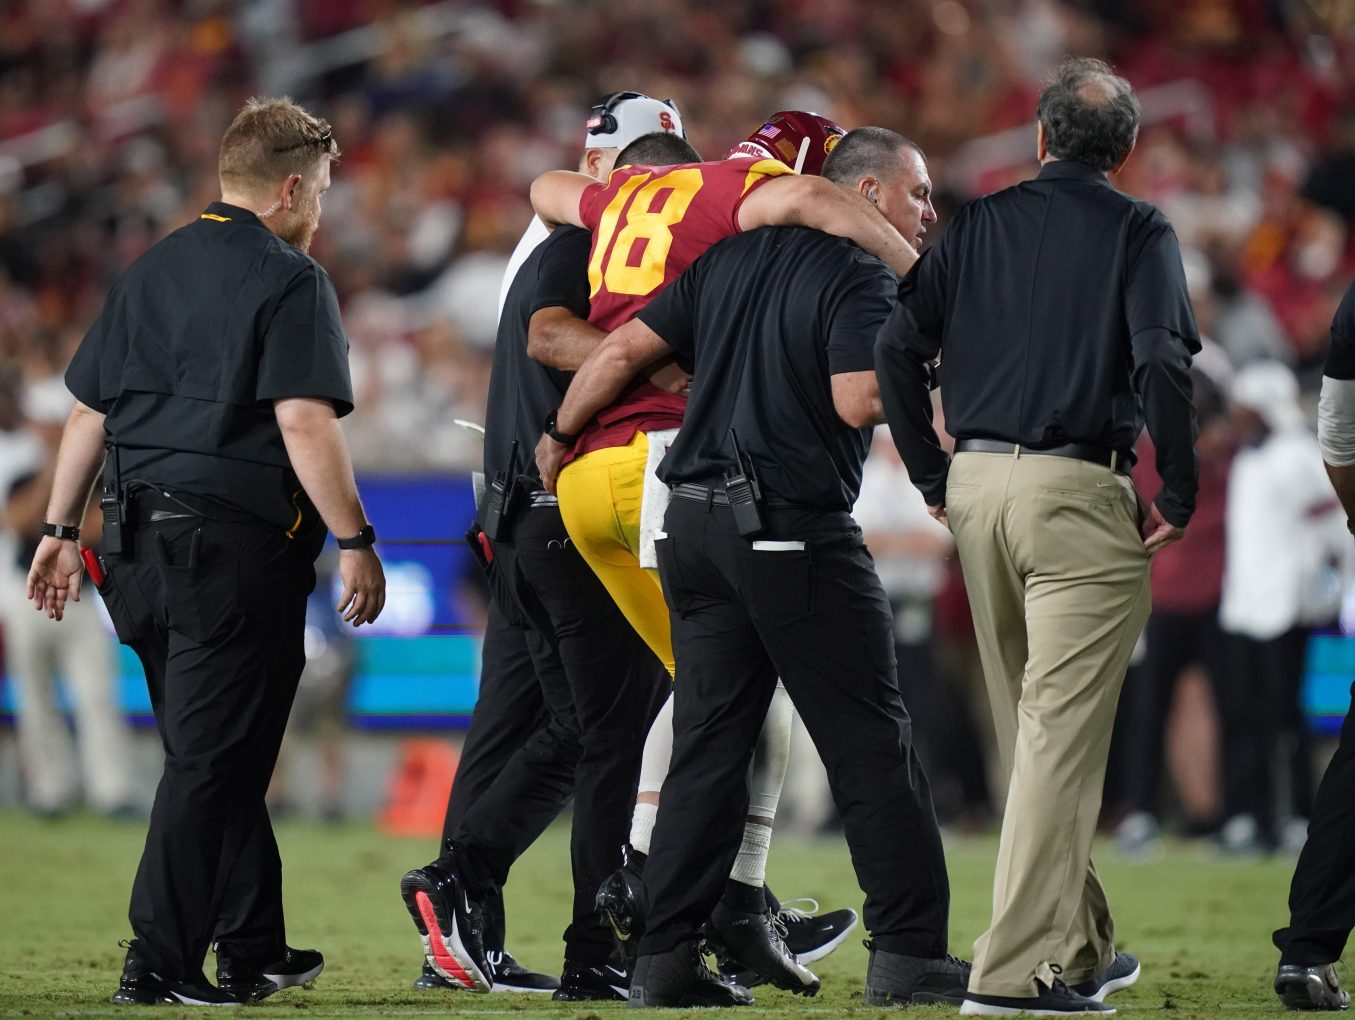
1286	541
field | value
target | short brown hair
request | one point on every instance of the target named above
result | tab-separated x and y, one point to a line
867	151
271	139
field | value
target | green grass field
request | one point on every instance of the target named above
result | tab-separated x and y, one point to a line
1201	927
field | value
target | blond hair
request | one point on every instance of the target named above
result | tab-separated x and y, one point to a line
269	140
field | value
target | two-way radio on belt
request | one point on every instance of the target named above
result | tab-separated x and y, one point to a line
744	493
113	503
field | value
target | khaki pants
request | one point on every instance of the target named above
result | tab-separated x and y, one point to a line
1058	582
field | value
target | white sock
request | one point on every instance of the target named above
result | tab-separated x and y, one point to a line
765	778
750	866
642	826
654	763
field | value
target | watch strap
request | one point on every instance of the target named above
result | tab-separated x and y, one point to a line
64	532
563	438
364	539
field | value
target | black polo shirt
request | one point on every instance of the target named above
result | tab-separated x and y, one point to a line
195	341
767	318
1060	312
523	394
1341	353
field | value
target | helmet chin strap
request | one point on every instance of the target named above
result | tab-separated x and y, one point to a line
270	210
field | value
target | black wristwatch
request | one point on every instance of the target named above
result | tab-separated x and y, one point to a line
65	532
563	438
364	539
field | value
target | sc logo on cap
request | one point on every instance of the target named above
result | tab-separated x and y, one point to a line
666	121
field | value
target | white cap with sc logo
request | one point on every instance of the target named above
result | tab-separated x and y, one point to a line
623	117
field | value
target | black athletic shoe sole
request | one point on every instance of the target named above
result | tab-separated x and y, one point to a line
644	1001
163	995
248	992
305	978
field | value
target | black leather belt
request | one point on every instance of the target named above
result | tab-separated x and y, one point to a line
1116	460
716	496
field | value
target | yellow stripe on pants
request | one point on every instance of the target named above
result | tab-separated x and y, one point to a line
600	495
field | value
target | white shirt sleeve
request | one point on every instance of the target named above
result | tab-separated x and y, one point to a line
1336	421
535	233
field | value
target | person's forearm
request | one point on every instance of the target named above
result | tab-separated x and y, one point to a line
856	398
78	464
555	197
599	381
835	209
559	339
905	392
1162	381
318	452
847	214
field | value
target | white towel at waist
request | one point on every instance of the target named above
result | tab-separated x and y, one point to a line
654	503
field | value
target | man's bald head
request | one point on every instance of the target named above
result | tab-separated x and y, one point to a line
1089	114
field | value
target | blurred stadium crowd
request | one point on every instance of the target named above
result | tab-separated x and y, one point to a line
110	113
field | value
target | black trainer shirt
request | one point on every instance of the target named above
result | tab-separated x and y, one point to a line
1060	312
523	393
195	341
767	317
1341	353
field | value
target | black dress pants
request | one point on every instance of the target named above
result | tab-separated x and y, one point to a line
510	714
818	618
601	695
1322	893
216	613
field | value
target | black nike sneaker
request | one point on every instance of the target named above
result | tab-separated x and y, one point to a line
250	980
604	983
511	976
1310	988
508	974
756	941
140	986
810	936
450	924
